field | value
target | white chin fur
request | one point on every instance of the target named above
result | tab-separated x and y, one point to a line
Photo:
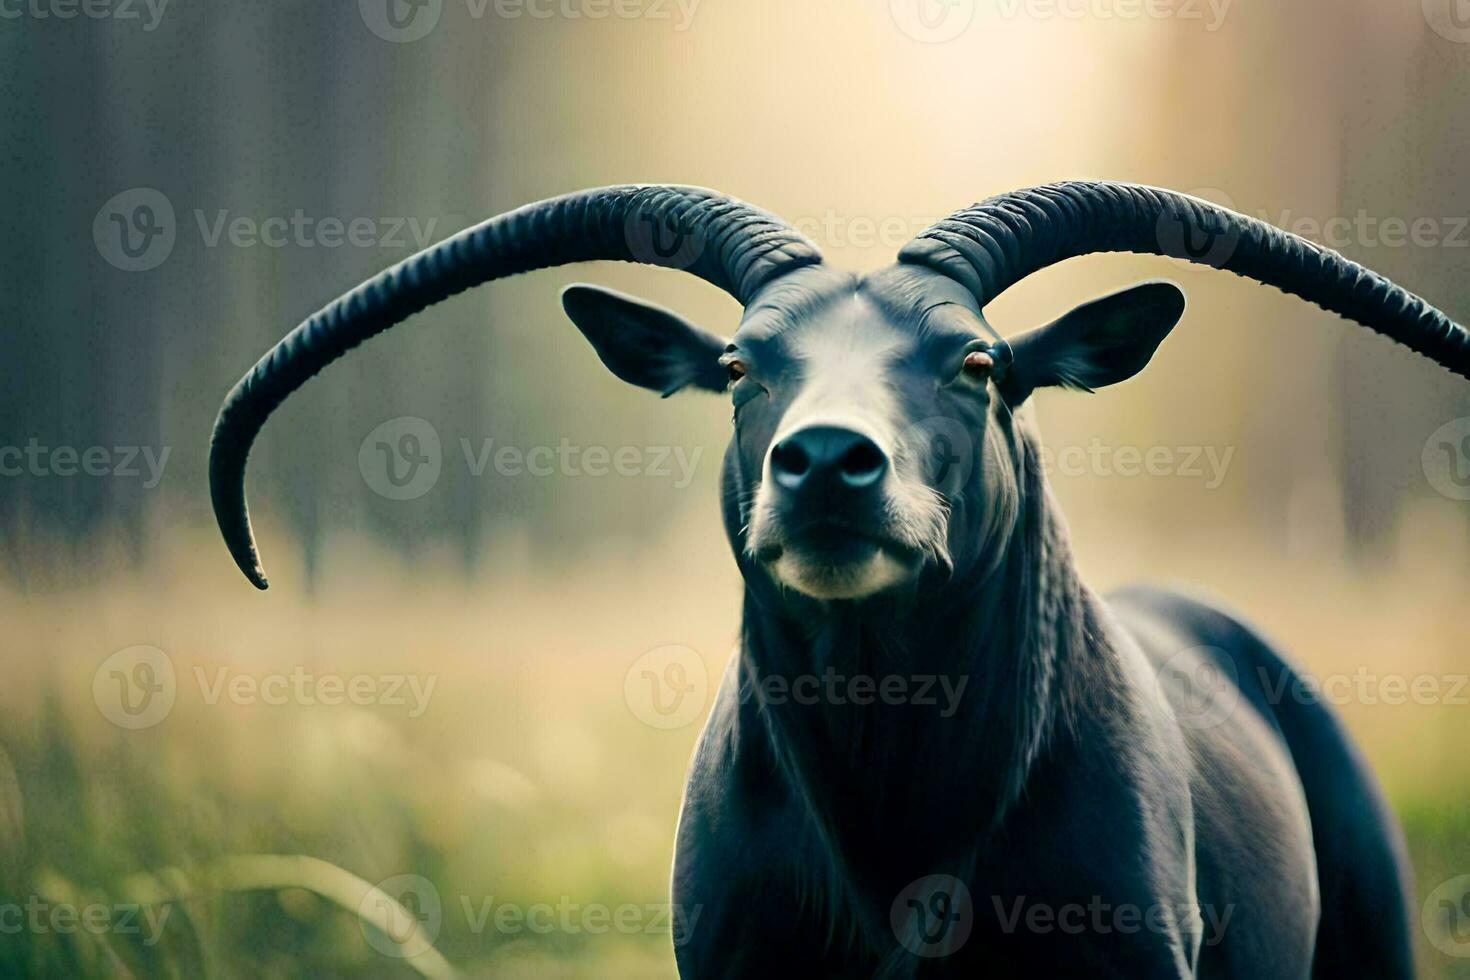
853	580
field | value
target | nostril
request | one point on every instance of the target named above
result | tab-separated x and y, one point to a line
825	458
862	465
789	462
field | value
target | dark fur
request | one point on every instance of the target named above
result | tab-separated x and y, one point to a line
884	499
1075	775
1054	781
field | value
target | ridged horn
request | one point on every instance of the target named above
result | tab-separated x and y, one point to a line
990	246
723	241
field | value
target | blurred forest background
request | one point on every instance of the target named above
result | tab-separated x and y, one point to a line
532	776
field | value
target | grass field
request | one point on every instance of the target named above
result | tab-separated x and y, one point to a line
237	837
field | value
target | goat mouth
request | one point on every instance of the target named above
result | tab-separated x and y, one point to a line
832	559
829	541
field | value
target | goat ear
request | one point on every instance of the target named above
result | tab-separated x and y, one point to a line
646	345
1099	343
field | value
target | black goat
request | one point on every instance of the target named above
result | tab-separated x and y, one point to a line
1062	811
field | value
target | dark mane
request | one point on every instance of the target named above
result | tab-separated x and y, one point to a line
1013	632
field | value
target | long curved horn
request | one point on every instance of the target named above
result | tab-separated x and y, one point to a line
992	245
726	242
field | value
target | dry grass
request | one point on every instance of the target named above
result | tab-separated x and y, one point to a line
527	779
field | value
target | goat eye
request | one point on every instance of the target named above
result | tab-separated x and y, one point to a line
978	363
737	370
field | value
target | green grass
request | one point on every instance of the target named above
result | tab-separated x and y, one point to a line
527	782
